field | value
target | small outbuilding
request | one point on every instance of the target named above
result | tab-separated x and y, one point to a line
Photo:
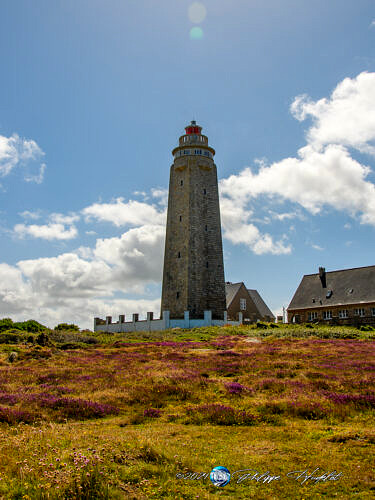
248	302
343	297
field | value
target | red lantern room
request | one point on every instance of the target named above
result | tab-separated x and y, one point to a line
193	128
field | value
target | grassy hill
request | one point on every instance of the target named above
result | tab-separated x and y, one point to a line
97	416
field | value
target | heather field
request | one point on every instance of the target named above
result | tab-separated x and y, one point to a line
95	416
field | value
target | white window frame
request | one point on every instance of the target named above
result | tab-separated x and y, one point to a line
327	315
242	304
359	311
372	311
343	314
312	315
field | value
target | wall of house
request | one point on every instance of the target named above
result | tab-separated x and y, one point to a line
250	313
302	315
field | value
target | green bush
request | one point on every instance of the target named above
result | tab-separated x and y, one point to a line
10	338
62	337
5	324
72	345
66	326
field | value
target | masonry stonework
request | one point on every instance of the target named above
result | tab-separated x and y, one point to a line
193	276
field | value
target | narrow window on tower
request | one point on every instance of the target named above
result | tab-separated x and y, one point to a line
179	255
182	182
207	265
204	191
180	218
205	227
177	295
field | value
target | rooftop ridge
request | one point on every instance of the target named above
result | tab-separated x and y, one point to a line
341	270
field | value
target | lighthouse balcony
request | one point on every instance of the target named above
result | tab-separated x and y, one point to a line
193	139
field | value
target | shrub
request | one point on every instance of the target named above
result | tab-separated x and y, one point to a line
359	400
152	413
309	410
66	326
71	345
5	324
31	326
235	388
62	337
9	337
74	408
12	416
13	356
42	339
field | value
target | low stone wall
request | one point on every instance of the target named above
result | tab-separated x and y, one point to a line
150	324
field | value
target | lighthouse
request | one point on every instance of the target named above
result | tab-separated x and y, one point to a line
193	274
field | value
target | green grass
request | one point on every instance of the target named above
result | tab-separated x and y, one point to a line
119	416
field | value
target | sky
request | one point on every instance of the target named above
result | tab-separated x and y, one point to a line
94	95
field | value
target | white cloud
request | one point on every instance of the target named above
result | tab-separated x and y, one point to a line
126	263
238	229
38	178
346	118
132	213
162	194
286	215
79	285
16	151
50	231
323	174
27	214
64	219
317	247
55	229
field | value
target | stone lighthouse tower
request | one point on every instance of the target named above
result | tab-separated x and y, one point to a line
193	276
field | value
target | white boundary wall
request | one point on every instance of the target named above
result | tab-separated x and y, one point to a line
150	324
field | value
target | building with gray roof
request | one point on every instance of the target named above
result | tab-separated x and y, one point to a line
346	296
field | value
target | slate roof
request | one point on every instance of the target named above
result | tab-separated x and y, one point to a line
348	287
260	304
230	291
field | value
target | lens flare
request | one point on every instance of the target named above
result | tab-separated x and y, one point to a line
196	33
197	12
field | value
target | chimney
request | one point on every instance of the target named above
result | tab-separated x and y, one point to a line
322	276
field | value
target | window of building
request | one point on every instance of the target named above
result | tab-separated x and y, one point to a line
207	265
186	151
327	314
204	191
177	295
343	313
198	151
206	153
359	312
243	304
182	182
179	255
373	311
312	315
205	228
180	218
